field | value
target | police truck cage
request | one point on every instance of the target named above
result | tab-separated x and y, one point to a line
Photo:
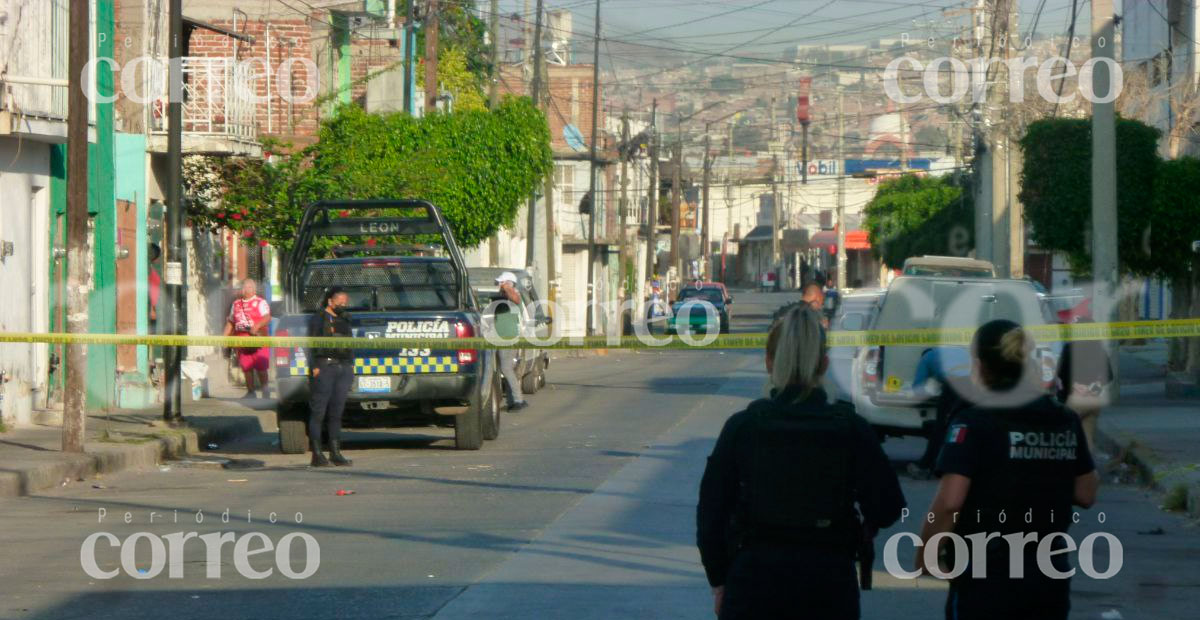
417	220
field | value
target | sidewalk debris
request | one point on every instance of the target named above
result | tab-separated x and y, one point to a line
238	480
163	468
341	492
99	486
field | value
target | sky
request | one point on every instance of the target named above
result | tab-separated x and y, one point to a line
765	27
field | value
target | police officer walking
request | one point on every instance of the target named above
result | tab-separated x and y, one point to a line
777	524
332	372
1012	464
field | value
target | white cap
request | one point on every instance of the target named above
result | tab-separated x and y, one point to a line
507	276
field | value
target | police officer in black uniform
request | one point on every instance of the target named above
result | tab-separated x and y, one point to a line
1012	464
777	524
332	372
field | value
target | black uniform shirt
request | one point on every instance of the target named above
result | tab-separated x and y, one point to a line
1022	462
324	324
876	489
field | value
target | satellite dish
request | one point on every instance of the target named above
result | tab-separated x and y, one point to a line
574	138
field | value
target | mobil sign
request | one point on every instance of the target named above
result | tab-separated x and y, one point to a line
821	167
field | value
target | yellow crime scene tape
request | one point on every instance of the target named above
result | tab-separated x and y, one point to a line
1174	328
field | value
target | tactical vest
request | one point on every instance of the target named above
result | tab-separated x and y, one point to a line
798	484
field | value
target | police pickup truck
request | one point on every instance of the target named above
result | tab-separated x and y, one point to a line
417	290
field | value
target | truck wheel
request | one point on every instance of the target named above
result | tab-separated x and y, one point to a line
529	383
468	427
542	374
491	415
293	431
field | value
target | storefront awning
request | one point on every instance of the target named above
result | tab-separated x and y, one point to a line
827	239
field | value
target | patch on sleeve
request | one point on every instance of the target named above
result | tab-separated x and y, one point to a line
957	433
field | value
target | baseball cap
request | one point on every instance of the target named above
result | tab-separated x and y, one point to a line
507	276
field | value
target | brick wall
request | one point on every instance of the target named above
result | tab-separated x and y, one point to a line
370	56
288	39
570	98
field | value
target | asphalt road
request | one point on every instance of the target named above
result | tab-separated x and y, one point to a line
584	508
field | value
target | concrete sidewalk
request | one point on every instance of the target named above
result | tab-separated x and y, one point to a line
1157	437
31	458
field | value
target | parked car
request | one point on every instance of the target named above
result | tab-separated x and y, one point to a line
531	363
410	291
881	377
948	266
857	311
698	297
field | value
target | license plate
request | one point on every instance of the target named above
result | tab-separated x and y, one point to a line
374	384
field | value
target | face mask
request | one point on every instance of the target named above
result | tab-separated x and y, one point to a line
339	310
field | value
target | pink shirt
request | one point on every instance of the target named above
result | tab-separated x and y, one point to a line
245	313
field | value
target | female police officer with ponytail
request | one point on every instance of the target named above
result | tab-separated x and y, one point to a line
1011	465
777	524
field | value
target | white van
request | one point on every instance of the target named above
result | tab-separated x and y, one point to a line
882	377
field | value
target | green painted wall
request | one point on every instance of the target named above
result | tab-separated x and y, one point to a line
102	302
58	209
129	165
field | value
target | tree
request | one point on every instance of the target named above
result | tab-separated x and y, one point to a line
1175	224
1149	90
915	215
461	29
1057	193
476	165
458	80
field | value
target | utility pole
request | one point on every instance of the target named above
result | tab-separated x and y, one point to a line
431	56
676	204
903	140
493	99
173	282
705	243
841	194
775	232
622	271
551	238
494	29
74	400
410	41
591	255
999	145
1105	259
535	90
652	199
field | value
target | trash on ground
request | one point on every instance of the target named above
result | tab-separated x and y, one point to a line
238	480
341	492
213	446
99	486
163	468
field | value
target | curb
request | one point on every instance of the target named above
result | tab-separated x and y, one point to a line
106	458
1146	468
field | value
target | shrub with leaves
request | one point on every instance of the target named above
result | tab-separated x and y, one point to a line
1056	189
918	215
477	166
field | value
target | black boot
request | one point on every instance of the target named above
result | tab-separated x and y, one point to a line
335	453
318	459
